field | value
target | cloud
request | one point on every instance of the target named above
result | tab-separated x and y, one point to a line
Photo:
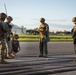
57	24
54	20
58	20
61	26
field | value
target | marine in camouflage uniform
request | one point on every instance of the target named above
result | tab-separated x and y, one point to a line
44	33
15	45
8	37
3	30
74	36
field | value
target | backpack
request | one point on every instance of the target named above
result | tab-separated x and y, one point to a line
16	36
74	32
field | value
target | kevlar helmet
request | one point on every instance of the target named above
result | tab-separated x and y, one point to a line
42	19
74	20
16	36
2	16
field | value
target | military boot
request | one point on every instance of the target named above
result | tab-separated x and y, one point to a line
8	57
40	55
2	61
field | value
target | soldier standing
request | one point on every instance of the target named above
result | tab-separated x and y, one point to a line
44	33
3	30
8	38
74	36
15	45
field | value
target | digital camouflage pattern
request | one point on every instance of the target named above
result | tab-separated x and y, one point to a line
44	33
3	30
44	30
74	36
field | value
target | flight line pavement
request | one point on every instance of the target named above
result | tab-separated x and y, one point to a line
59	60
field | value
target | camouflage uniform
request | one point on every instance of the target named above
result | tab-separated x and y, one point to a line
44	33
8	38
15	45
74	36
8	43
3	31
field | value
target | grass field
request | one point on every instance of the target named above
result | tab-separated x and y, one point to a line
34	38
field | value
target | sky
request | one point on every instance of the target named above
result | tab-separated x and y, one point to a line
57	13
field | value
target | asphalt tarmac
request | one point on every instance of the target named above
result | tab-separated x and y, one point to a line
54	48
59	60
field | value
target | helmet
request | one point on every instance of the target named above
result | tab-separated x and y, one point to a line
42	19
74	20
2	16
16	36
9	17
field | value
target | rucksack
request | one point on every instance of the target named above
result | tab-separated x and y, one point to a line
74	32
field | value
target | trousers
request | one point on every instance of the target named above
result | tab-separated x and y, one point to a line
43	47
2	48
8	48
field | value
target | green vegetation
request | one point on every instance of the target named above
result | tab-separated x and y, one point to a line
34	38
